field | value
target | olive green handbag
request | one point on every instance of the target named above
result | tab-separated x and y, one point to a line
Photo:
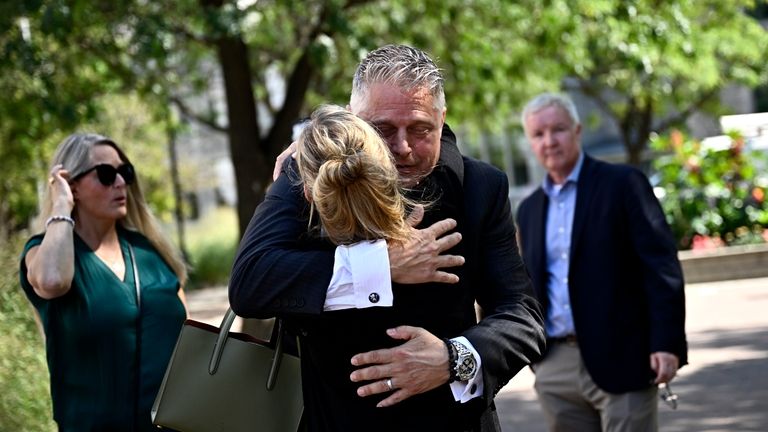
219	380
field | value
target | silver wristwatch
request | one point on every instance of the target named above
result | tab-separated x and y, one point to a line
465	364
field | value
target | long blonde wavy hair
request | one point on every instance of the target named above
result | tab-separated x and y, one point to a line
74	155
350	177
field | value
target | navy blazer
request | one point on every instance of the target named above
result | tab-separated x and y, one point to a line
625	280
279	270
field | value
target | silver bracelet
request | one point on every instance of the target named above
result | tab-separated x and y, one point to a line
59	218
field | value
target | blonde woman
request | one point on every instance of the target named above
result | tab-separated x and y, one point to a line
349	177
108	287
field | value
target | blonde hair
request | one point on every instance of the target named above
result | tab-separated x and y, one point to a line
351	178
74	154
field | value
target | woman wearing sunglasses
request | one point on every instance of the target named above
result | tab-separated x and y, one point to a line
107	285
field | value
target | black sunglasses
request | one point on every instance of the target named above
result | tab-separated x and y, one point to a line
107	173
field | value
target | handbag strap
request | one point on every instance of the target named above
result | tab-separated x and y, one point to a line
278	356
135	275
221	341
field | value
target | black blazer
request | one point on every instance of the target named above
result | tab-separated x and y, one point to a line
280	270
625	281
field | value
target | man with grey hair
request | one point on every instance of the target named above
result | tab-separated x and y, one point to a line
604	266
381	78
388	334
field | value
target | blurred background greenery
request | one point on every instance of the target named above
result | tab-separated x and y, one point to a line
713	195
153	75
212	244
25	404
247	70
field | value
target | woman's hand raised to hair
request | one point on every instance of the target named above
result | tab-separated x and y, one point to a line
61	193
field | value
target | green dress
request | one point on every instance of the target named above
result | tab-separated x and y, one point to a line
107	353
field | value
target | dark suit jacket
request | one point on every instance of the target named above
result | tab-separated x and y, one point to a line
281	270
625	281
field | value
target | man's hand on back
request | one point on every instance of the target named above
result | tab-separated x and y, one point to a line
419	259
290	151
419	365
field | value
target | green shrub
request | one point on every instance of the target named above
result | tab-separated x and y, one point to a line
25	403
211	263
712	195
212	245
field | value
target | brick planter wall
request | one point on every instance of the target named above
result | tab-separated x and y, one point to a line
734	262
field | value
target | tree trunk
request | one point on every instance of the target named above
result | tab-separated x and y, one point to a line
281	133
245	146
251	170
634	154
252	156
636	130
178	203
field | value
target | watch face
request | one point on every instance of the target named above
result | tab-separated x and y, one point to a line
465	365
465	369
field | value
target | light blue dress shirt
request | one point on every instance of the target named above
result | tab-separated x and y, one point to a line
562	204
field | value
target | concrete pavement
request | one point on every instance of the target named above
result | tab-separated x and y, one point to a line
723	389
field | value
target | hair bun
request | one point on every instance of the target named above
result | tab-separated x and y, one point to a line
342	170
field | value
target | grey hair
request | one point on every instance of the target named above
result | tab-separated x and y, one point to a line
546	100
400	65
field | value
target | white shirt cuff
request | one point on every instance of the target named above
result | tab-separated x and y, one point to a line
361	277
466	391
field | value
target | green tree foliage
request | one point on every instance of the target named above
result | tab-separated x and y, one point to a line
649	64
490	66
715	194
314	46
45	88
167	51
57	62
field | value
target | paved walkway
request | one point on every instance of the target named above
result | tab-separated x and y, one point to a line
723	389
725	386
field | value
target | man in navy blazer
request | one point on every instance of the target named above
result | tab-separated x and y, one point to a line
604	266
402	350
